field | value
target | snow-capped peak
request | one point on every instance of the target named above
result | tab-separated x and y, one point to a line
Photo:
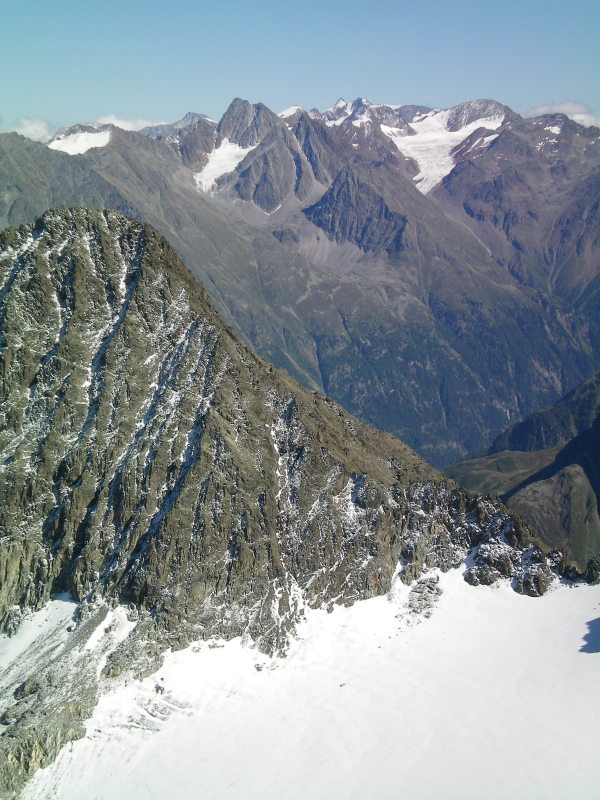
341	103
78	139
361	112
338	113
289	112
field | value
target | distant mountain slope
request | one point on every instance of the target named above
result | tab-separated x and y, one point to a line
34	178
555	488
325	239
571	416
532	196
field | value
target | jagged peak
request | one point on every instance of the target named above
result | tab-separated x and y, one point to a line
246	124
470	111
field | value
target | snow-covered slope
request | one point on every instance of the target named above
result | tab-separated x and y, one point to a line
290	112
493	695
430	144
428	136
38	637
222	160
80	138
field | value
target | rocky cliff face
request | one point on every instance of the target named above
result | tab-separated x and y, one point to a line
151	462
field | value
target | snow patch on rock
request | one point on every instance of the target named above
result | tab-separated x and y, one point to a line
221	161
78	143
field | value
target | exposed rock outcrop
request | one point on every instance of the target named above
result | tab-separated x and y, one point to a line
148	459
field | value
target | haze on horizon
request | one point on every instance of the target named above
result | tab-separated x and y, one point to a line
149	62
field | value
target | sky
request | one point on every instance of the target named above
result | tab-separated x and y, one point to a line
64	62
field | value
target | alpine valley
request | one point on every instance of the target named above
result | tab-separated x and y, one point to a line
181	522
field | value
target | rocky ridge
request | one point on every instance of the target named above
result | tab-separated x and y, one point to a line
180	488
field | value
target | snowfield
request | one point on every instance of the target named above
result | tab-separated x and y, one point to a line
220	162
494	695
75	144
432	144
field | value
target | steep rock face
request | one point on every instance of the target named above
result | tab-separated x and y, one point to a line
353	211
146	454
148	458
320	148
247	124
473	110
275	169
532	196
562	500
193	135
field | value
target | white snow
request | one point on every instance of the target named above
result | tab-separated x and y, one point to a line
40	634
342	109
78	143
115	628
117	623
487	139
341	103
289	112
484	141
331	122
495	695
555	129
224	159
431	146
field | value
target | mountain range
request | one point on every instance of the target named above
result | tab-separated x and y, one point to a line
434	271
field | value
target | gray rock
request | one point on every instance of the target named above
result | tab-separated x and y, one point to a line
149	459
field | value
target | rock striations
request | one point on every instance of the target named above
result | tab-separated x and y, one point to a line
174	484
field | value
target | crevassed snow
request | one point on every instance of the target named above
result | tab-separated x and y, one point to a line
431	146
495	695
224	159
78	143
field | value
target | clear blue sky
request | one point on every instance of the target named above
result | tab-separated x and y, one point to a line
65	61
